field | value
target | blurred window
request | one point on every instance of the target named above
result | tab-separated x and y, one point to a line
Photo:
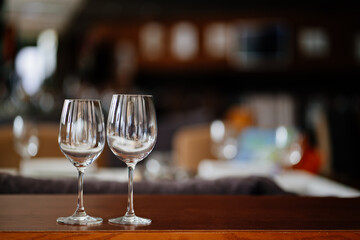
30	66
152	40
184	41
259	45
35	64
314	42
47	43
357	47
215	37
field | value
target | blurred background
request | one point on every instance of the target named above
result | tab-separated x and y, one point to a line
240	88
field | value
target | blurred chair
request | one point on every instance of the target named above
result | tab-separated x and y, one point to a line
8	158
48	140
191	144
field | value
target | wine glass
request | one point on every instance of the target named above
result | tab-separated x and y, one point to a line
131	136
26	140
81	139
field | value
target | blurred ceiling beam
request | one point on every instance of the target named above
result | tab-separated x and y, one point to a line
30	17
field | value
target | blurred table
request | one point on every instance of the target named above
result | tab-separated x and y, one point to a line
184	217
296	181
61	167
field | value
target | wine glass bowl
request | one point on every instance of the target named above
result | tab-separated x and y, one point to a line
81	140
81	155
131	136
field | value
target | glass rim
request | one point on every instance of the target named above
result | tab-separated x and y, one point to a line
82	99
133	95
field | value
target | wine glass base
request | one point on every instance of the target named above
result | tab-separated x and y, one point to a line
133	220
83	220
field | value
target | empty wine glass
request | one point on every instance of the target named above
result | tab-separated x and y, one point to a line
26	140
81	139
131	136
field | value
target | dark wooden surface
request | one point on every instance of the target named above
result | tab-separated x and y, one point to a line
36	214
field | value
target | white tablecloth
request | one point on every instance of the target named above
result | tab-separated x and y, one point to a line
296	181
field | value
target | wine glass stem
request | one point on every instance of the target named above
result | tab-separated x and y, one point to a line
130	208
80	206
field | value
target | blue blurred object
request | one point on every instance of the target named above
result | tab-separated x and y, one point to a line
256	144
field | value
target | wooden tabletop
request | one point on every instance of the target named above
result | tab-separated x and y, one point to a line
200	216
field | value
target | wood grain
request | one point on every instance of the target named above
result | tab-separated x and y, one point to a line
184	216
211	235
